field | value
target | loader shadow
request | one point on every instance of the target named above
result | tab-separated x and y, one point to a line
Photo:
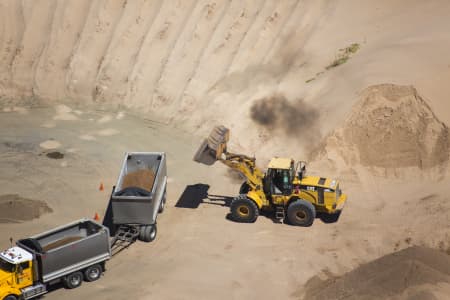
194	195
327	218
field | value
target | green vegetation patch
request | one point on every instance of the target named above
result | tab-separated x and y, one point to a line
343	55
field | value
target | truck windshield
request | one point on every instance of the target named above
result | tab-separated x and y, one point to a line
6	266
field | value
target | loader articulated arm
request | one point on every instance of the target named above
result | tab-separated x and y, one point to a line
214	148
246	166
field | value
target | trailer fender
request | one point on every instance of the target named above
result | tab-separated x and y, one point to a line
160	196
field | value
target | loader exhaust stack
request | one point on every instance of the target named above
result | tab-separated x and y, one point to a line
214	146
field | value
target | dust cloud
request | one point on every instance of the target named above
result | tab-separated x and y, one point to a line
276	112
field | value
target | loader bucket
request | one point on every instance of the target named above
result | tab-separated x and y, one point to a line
212	147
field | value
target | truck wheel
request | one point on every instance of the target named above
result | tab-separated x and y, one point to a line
301	213
73	280
243	209
163	204
10	297
148	233
93	273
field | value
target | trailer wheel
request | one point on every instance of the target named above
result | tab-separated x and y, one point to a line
10	297
301	213
93	273
73	280
148	233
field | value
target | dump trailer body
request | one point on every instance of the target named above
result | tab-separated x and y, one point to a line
138	205
67	249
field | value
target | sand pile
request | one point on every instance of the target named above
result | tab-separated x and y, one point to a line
391	127
14	208
142	178
398	275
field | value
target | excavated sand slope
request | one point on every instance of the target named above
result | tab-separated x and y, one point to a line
391	126
200	63
399	275
141	54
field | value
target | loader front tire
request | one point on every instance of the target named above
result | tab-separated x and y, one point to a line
301	213
243	210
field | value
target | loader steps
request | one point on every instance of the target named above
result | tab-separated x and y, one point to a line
280	213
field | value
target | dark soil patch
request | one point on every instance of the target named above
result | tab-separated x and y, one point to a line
55	155
14	208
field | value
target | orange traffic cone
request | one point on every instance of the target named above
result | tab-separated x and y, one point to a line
101	188
96	217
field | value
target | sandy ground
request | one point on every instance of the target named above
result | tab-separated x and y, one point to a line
198	252
82	82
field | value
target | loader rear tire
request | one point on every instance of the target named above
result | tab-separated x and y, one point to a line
10	297
301	213
243	210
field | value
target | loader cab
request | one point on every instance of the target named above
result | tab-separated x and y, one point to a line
279	177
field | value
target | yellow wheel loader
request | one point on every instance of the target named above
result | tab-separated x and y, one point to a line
284	188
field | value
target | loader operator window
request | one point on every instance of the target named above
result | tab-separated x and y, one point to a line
281	181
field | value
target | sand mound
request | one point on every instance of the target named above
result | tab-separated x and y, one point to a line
392	127
143	179
397	275
14	208
50	144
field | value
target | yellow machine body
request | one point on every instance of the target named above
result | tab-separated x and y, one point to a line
15	277
283	182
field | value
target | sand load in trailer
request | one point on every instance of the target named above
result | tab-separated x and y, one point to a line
140	193
55	249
